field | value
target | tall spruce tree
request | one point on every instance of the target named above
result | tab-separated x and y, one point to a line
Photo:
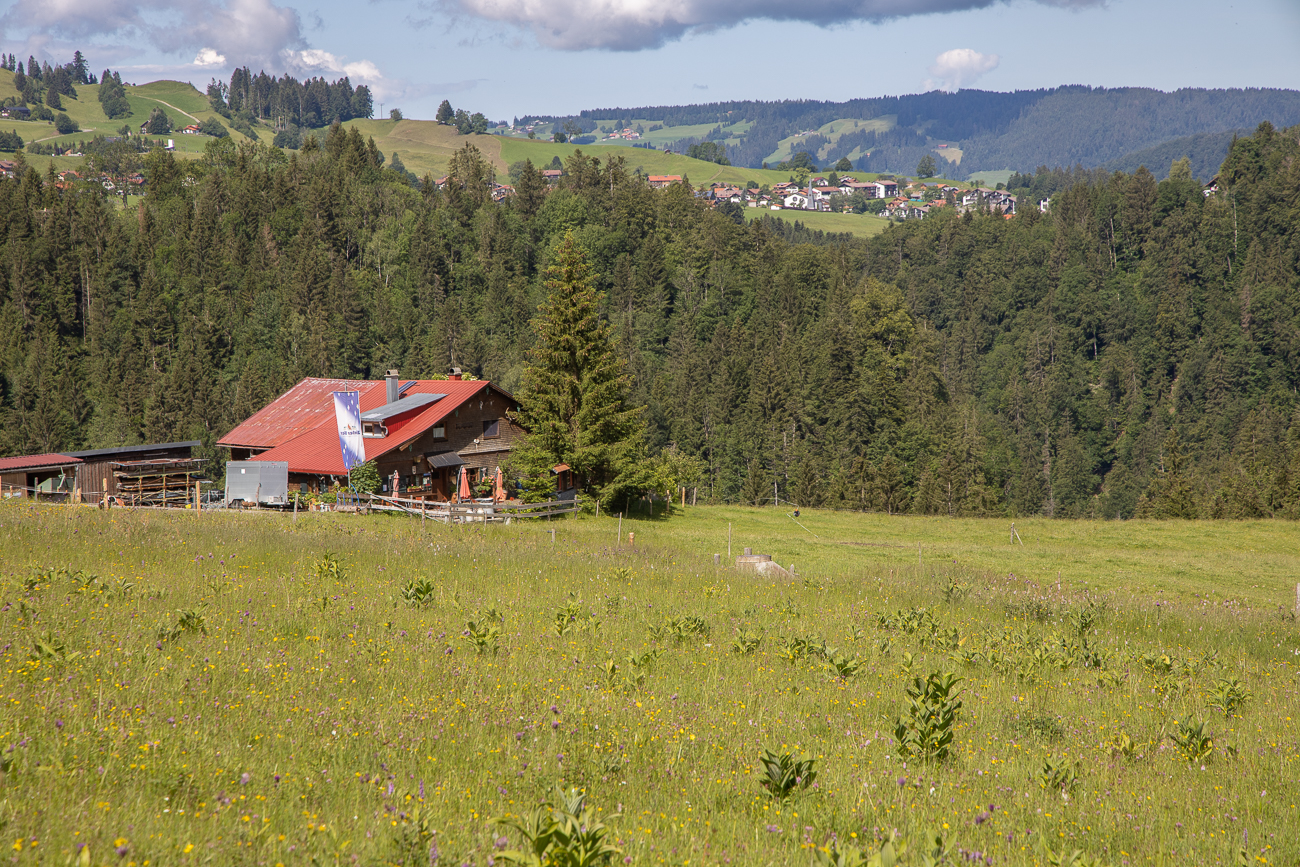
574	396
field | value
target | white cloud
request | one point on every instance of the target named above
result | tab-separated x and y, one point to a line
313	60
630	25
251	32
209	57
958	68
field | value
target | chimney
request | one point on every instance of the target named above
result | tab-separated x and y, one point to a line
454	374
392	387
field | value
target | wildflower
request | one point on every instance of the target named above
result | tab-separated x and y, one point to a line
501	842
244	778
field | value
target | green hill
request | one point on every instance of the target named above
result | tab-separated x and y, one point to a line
1206	152
182	102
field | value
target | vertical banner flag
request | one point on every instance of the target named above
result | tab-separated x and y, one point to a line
347	411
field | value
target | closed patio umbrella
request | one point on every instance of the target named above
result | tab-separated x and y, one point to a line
464	485
499	489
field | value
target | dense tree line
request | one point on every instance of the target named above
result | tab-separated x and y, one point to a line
1133	351
284	103
45	86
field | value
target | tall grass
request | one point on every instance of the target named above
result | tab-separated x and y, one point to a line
253	689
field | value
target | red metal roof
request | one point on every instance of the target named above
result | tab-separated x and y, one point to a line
32	462
294	413
317	452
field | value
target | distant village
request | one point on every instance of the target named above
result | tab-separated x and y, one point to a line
915	201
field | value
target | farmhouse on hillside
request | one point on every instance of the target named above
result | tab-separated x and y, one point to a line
421	431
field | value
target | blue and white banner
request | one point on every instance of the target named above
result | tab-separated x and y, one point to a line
347	411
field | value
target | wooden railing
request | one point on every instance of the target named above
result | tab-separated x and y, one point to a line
459	513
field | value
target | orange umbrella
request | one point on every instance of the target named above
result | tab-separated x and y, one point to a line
499	489
464	485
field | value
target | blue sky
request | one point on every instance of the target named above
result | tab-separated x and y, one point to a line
511	57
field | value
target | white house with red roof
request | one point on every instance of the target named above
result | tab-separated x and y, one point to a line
423	430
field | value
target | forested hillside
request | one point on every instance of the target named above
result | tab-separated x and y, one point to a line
1134	351
1060	126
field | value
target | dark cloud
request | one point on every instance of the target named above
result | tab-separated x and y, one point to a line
631	25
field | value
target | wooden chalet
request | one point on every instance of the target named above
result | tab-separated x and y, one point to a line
419	432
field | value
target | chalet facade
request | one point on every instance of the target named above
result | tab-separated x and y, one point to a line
422	434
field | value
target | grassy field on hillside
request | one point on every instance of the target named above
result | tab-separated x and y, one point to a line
426	146
254	689
862	225
663	136
182	102
833	130
991	178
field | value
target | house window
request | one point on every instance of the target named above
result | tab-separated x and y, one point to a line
492	428
439	432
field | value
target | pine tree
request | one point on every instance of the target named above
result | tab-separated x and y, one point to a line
574	398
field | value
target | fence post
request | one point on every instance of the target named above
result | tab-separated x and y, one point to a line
105	498
198	500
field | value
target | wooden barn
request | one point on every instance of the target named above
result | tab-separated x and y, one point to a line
51	474
419	432
156	474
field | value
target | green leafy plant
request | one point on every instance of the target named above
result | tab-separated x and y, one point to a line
1125	747
954	591
328	567
574	617
1192	740
783	775
563	835
927	731
1084	619
843	667
83	582
893	852
50	648
1228	695
187	620
419	593
746	642
1067	857
1058	774
680	629
483	637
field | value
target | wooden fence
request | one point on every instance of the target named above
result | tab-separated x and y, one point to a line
464	513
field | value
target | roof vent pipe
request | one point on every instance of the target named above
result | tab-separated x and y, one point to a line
391	386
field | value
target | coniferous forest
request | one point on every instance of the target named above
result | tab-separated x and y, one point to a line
1133	351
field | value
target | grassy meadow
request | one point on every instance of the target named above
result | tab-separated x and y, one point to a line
862	225
182	102
254	689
